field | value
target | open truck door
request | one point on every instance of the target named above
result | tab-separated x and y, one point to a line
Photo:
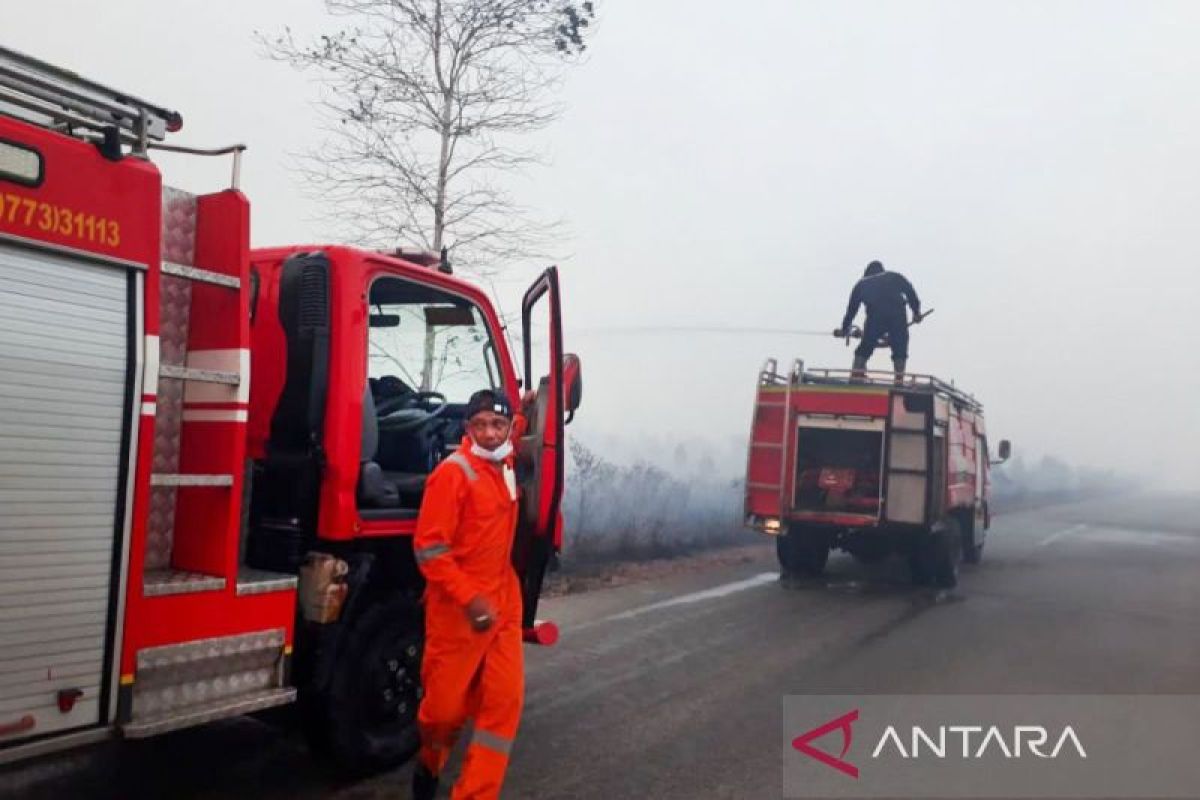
541	461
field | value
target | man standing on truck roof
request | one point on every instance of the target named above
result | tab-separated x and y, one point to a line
884	294
473	663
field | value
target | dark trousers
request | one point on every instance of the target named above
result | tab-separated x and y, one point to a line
896	328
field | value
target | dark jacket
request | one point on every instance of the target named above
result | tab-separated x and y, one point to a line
885	295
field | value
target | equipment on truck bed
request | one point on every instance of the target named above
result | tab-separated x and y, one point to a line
870	464
181	542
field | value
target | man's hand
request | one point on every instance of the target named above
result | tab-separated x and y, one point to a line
480	613
917	317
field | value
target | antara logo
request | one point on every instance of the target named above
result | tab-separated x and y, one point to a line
973	742
843	723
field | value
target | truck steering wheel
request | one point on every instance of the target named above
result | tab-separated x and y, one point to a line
405	413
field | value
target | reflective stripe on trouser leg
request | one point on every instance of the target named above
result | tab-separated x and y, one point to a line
501	691
492	741
482	773
448	668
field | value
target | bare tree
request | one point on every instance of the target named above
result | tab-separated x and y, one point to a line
425	102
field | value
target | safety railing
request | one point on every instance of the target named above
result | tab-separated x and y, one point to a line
46	95
769	375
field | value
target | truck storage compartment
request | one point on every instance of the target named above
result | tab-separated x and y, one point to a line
838	470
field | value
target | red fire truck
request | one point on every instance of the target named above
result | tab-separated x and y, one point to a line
211	457
869	464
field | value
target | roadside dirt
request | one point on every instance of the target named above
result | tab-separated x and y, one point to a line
587	577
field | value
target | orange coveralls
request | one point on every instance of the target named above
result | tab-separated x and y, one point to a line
463	545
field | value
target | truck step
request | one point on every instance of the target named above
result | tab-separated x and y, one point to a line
209	712
199	275
189	479
260	581
176	372
187	683
162	582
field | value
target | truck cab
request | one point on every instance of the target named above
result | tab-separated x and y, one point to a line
871	465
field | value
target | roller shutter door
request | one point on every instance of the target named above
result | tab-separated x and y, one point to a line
63	368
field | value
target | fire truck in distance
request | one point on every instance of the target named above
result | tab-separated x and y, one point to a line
212	457
871	464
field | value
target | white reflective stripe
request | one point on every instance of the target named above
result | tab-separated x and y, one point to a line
492	741
150	370
461	460
431	552
215	415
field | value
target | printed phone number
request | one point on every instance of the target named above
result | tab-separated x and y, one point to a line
49	218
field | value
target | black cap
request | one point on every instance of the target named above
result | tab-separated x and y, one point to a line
874	268
489	400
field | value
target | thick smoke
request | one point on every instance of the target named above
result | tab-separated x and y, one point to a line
666	500
660	496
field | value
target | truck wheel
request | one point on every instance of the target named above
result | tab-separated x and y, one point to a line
919	562
945	551
783	552
972	553
803	551
375	689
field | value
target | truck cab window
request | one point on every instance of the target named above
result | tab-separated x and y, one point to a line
427	352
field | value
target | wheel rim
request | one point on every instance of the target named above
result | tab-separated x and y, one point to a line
392	682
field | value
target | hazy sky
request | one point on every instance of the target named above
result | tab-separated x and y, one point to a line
1031	166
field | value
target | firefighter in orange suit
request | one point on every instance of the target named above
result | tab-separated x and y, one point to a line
473	666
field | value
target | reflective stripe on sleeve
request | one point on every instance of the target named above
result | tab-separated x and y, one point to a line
432	551
468	470
492	741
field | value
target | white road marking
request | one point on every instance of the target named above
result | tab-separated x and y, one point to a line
1148	538
723	590
1106	535
1054	537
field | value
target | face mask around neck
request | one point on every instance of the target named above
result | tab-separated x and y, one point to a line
496	456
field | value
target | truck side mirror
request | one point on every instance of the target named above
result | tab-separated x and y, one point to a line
572	371
1005	450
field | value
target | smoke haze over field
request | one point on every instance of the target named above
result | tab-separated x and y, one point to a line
1031	166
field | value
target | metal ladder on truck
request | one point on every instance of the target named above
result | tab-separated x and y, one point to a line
770	446
51	97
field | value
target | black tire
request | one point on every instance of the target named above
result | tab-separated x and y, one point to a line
971	553
371	707
918	564
803	551
783	552
945	551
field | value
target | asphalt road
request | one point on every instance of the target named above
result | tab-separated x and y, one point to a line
674	689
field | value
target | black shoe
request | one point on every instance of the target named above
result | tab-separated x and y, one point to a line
425	783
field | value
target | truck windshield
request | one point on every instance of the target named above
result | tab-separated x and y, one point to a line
429	340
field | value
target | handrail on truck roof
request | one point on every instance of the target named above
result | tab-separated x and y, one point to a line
911	382
58	99
52	97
